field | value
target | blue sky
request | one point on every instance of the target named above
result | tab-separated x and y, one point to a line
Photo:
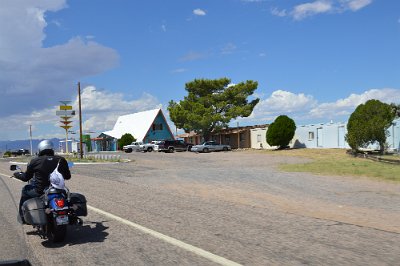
314	60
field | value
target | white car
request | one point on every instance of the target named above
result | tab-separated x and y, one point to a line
209	146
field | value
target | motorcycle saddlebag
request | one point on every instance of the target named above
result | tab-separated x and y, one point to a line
80	201
33	210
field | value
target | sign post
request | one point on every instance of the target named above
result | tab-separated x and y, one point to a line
65	113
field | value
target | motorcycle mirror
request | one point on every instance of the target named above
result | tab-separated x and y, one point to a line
14	167
70	164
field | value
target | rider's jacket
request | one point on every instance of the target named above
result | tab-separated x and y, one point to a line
40	169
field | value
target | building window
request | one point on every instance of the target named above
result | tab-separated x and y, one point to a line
310	135
157	127
259	138
227	139
242	136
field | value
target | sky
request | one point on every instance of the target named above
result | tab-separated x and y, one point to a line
314	60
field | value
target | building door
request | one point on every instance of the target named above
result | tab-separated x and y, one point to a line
319	137
341	137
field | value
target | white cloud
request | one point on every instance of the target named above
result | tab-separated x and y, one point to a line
199	12
179	70
282	102
309	9
229	48
304	108
15	126
344	107
192	56
355	5
279	13
100	110
38	76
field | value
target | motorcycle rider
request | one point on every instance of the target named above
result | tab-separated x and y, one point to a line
39	170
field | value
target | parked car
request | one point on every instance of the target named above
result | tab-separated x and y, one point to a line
20	152
172	145
209	146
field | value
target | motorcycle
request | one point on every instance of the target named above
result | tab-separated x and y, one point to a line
51	213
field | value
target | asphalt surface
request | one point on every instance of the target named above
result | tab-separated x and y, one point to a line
234	205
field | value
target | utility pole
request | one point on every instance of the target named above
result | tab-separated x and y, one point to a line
238	136
30	135
80	121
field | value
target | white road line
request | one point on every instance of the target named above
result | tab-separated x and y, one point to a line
198	251
9	176
168	239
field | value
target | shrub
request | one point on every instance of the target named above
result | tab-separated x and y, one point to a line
281	131
368	124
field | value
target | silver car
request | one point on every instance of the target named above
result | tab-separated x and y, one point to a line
209	146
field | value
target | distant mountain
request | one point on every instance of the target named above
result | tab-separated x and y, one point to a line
10	145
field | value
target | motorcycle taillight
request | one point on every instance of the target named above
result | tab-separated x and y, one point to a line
60	203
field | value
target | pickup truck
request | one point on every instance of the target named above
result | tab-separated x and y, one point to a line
138	146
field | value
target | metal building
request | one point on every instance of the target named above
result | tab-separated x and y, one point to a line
332	135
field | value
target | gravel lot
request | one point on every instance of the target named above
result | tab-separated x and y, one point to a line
233	204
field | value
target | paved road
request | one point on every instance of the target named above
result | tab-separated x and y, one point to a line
235	205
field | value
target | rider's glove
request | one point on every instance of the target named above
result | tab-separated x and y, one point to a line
18	175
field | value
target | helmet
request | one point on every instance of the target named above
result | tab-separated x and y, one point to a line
45	145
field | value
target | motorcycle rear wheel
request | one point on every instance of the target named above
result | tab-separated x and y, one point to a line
56	233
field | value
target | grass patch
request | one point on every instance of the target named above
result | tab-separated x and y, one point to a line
337	162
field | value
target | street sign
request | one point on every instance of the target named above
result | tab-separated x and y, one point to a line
66	127
65	113
65	107
66	122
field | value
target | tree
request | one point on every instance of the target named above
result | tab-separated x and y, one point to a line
211	104
281	131
125	139
369	124
396	109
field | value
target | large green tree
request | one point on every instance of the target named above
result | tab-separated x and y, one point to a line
125	139
281	132
369	123
211	104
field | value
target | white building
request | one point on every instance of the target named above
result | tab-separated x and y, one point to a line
143	126
332	135
324	135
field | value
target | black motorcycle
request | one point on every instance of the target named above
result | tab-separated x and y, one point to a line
52	212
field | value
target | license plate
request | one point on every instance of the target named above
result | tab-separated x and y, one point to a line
62	219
